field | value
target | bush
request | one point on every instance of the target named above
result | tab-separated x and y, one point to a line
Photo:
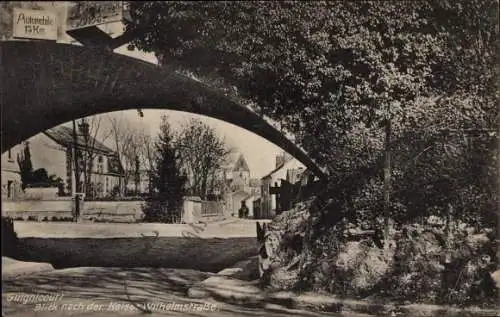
9	238
156	210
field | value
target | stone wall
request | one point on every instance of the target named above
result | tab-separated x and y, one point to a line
122	211
41	193
104	211
38	209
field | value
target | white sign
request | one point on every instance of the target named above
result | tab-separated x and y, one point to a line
82	14
34	24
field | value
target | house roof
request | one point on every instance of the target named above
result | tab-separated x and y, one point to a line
254	182
241	192
241	165
282	164
276	169
293	175
64	136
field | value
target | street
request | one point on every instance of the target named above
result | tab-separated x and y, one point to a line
117	292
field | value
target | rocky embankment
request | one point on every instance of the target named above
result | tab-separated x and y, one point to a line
426	263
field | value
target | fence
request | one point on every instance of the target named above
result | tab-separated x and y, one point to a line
211	208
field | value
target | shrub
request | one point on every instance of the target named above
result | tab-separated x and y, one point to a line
156	210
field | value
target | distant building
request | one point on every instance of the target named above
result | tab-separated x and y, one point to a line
241	174
240	187
53	151
287	171
107	171
11	175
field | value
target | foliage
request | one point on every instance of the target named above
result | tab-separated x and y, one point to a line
202	155
332	72
25	166
167	180
38	177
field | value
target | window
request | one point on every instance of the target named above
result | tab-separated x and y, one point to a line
10	154
100	165
9	189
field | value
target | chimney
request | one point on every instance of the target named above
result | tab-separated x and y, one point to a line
280	159
84	128
287	157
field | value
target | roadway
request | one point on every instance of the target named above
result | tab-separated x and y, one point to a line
119	292
224	229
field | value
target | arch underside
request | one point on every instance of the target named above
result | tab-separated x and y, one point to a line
44	84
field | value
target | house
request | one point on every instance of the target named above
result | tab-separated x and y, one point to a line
236	198
250	203
11	174
103	163
53	151
286	172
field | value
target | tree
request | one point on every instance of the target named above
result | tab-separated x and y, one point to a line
167	179
316	67
337	74
128	143
25	166
146	156
137	174
86	153
203	155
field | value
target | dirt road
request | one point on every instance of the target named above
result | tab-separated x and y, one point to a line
121	292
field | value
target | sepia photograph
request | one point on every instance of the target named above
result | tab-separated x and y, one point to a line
250	158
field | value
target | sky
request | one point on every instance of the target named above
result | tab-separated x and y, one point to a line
259	153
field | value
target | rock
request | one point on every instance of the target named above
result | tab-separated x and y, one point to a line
196	292
496	278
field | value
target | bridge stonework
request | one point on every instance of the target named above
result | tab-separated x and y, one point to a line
43	84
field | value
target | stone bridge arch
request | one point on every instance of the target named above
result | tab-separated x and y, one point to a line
44	84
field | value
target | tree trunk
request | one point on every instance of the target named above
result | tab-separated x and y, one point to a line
137	175
387	177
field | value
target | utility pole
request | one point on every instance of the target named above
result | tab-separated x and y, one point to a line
77	173
86	156
75	160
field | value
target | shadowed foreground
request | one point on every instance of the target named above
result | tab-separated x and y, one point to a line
209	255
110	287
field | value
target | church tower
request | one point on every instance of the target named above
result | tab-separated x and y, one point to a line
241	173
